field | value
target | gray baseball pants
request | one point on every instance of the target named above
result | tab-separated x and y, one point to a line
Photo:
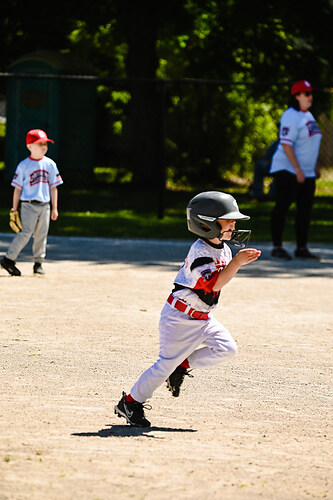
35	219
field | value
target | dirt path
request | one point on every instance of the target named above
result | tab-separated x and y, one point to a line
72	341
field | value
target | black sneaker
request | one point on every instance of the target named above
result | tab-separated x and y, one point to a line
38	269
281	253
9	265
175	380
132	411
304	253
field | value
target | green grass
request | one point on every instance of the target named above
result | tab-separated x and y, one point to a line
122	212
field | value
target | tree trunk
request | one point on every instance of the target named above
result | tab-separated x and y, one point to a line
146	106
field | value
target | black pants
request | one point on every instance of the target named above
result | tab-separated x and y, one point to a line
288	190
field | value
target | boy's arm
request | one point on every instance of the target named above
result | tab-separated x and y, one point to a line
16	197
244	256
54	202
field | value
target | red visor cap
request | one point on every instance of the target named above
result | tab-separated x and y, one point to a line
36	135
301	86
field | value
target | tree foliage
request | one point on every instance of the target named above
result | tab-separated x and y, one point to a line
269	44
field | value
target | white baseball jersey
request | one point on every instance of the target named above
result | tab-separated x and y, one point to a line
300	130
199	272
35	178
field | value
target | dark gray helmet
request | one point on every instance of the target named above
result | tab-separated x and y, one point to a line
204	210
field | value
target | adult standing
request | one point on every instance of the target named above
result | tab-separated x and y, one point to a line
294	168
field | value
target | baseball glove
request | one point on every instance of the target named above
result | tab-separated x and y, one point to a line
15	221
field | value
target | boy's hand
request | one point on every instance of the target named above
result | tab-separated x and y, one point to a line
54	214
244	256
247	255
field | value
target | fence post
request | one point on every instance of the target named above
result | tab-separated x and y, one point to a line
161	162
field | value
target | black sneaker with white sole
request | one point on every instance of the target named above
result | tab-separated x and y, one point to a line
132	411
175	380
10	267
38	268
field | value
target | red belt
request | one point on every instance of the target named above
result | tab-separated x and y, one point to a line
181	306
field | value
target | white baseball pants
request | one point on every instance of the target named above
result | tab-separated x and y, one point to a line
181	337
35	219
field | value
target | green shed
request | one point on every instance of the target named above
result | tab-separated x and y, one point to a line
62	106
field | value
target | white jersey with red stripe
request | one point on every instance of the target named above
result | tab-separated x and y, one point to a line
35	178
300	130
196	278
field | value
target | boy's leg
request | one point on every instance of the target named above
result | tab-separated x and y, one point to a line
219	346
180	335
40	233
28	220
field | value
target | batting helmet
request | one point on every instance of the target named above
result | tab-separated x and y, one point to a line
204	210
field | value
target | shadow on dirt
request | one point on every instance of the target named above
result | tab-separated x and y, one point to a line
168	255
129	431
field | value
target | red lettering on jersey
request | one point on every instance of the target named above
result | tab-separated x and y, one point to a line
39	176
220	263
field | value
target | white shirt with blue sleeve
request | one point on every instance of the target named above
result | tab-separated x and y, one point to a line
35	178
300	130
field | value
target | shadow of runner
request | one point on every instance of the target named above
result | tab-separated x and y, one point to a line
129	431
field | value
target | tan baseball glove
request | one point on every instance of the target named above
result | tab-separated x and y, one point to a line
15	221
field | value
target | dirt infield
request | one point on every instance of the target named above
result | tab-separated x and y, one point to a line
71	341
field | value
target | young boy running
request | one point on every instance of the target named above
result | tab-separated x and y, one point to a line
190	336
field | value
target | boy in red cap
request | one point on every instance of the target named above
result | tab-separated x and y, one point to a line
35	185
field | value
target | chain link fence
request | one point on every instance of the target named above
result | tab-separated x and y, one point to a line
149	133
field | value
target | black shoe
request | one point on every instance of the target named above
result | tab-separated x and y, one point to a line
304	253
281	253
38	269
133	412
175	380
9	265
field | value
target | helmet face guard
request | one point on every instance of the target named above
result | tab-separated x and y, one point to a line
239	237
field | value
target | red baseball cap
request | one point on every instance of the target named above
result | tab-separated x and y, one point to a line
36	135
301	86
